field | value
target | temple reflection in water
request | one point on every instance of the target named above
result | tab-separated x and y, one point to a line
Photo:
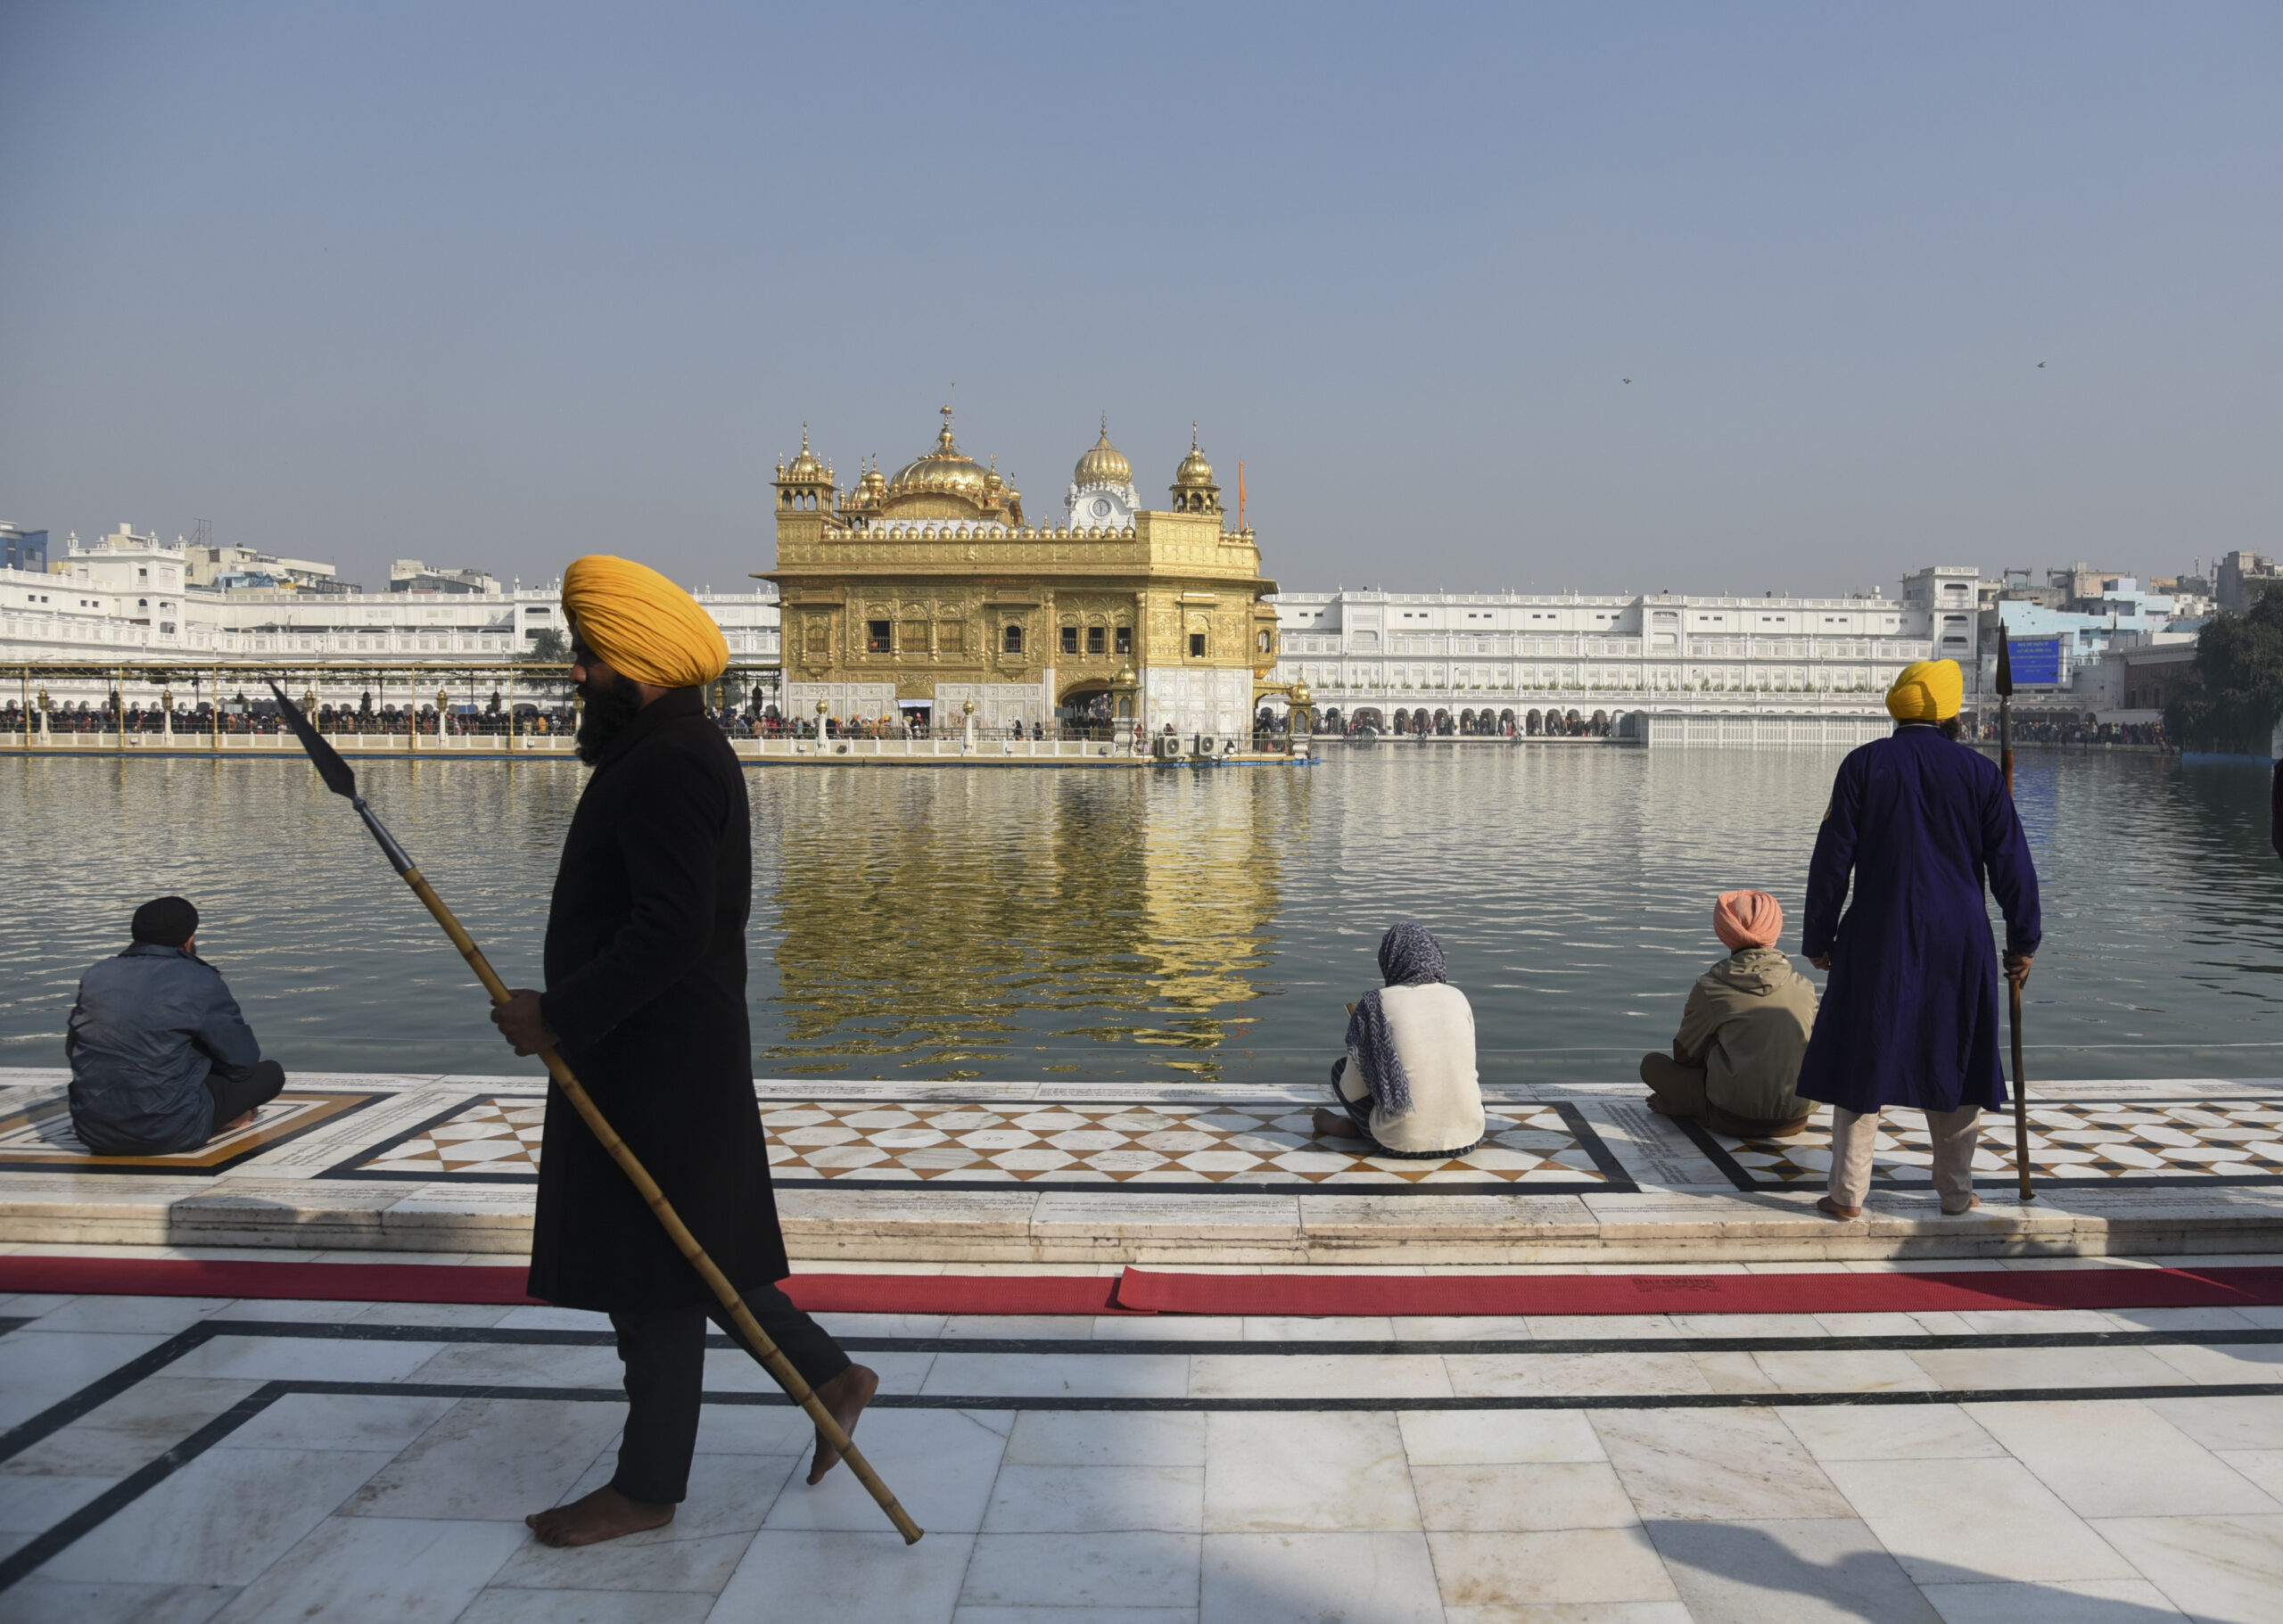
1003	924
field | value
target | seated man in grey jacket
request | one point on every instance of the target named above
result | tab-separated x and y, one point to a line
1737	1054
162	1061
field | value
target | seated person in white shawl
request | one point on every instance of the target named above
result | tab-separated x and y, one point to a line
1408	1084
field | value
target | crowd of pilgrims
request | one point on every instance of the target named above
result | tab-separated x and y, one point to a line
1465	723
239	715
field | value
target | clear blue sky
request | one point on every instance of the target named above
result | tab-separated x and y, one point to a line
502	284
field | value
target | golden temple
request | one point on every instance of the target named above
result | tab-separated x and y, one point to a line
928	590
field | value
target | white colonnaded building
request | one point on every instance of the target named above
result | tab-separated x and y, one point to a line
1667	668
137	603
1664	669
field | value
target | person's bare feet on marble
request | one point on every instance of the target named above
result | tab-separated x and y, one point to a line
592	1518
1972	1202
846	1396
1335	1125
243	1119
1835	1209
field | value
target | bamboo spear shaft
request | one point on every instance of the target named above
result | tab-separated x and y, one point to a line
2013	987
339	780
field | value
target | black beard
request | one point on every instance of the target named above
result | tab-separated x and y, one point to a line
609	708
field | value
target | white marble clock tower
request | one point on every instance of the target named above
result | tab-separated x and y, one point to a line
1102	494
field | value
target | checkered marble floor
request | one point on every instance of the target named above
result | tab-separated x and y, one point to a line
2093	1142
1175	1146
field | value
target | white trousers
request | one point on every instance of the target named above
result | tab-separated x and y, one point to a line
1956	1134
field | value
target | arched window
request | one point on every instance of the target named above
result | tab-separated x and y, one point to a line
1014	639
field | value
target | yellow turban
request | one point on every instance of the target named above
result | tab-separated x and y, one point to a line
642	625
1928	690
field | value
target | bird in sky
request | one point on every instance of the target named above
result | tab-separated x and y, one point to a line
1629	380
2041	366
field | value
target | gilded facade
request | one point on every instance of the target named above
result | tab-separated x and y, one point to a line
920	591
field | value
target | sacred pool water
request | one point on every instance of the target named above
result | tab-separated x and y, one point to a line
933	923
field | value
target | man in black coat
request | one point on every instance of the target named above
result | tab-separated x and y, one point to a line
646	1000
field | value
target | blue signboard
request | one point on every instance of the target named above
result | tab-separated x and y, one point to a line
2037	662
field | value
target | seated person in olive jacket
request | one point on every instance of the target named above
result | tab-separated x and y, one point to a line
1743	1034
162	1060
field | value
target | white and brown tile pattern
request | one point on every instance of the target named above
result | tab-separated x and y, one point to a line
2092	1143
869	1142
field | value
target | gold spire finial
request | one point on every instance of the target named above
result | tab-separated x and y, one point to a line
1193	434
1105	426
804	436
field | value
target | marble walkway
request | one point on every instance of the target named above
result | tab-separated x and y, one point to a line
1078	1173
174	1460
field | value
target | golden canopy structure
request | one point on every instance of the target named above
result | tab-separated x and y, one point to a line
924	589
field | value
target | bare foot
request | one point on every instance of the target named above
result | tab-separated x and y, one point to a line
845	1395
1827	1205
1335	1125
1658	1106
604	1514
243	1119
1972	1202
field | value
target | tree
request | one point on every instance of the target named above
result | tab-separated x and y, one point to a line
548	647
2240	658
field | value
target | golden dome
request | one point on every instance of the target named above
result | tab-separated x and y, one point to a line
945	471
806	467
1194	469
874	481
1105	465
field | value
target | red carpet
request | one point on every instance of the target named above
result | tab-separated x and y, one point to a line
1836	1293
1147	1291
431	1282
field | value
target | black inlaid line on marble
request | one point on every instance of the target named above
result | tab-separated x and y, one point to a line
132	1488
354	1167
102	1390
57	1538
1590	1140
9	1323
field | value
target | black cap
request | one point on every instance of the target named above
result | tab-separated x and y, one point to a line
167	921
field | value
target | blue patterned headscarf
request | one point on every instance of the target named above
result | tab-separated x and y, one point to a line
1409	957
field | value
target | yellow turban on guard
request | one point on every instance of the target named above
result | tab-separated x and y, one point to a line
642	625
1928	690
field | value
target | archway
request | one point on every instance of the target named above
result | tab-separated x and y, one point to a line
1088	709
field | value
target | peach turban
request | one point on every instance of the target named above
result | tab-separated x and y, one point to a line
1927	690
1747	918
640	623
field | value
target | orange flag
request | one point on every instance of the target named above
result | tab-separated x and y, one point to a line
1240	496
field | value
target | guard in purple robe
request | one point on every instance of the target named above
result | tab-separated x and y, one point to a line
1910	1016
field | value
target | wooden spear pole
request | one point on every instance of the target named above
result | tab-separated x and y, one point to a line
341	781
2013	987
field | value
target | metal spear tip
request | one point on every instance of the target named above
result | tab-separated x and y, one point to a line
2004	665
336	773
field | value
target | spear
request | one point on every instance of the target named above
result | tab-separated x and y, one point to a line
341	781
2013	987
